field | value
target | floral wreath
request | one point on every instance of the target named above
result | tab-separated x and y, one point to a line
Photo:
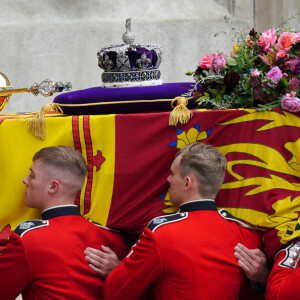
262	71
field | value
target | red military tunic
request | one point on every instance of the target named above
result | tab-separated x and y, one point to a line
44	259
284	279
188	255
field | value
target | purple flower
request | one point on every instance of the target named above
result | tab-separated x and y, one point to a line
231	80
294	65
294	84
219	62
255	81
290	102
274	74
258	96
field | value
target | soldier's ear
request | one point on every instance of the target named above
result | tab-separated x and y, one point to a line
188	182
54	184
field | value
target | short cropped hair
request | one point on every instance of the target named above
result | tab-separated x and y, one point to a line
63	158
208	165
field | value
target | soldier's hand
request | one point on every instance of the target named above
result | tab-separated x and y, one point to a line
253	262
101	261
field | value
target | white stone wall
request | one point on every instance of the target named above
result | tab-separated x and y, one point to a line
59	39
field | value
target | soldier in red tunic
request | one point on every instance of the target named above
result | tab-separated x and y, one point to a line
284	279
187	255
44	259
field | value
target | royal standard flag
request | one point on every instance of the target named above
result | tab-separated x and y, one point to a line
129	156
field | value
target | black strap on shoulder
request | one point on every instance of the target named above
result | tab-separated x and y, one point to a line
226	215
29	225
163	220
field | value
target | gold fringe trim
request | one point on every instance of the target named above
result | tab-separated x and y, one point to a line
180	113
111	102
37	123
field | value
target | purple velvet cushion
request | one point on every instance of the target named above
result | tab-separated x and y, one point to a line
99	100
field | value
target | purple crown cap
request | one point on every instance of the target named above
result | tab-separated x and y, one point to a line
130	64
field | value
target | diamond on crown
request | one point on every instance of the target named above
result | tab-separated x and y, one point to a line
135	64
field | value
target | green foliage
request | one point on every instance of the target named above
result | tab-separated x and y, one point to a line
231	61
189	73
268	106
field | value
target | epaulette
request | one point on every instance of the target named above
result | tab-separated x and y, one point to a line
101	226
163	220
226	215
30	225
292	255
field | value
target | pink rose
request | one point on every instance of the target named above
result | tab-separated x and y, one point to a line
294	65
267	39
274	74
255	73
207	61
285	42
219	62
290	102
296	37
282	55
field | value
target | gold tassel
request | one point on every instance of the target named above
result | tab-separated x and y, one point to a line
180	114
37	123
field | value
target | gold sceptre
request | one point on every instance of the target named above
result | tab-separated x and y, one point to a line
37	123
46	88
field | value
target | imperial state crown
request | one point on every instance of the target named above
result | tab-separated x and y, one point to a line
130	64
